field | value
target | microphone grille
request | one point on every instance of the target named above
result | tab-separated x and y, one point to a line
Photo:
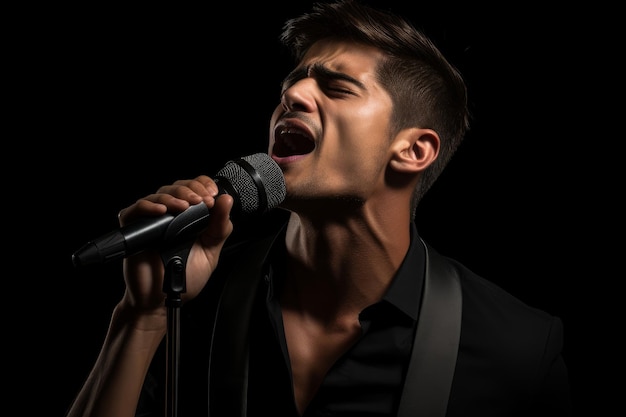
257	180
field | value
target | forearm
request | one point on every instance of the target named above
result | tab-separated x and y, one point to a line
113	386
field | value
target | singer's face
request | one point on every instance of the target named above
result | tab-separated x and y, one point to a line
330	132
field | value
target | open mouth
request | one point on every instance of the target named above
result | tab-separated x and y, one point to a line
292	141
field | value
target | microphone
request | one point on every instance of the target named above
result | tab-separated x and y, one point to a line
255	182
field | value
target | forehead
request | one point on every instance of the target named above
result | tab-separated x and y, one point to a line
357	60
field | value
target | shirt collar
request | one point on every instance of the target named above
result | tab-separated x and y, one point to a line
405	291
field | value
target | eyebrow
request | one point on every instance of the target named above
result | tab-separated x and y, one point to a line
318	70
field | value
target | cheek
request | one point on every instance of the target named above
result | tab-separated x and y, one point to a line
367	128
368	131
374	117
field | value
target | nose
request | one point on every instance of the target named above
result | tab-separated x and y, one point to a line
299	96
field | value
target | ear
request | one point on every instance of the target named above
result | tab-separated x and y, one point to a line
414	149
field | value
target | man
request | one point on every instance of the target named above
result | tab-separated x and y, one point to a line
321	309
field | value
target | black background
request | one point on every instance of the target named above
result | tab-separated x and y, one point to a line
123	99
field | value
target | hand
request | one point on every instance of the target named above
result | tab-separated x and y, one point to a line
144	272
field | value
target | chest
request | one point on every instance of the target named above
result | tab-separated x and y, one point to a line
313	347
357	371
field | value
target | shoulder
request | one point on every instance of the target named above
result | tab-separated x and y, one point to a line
500	326
508	348
494	306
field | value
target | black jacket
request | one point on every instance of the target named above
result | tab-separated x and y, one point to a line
508	362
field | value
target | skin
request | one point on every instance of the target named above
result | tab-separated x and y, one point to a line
347	235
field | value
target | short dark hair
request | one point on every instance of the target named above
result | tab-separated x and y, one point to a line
426	89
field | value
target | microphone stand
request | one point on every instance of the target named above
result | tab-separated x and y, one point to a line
181	234
174	284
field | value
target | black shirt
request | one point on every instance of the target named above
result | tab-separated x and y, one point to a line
367	380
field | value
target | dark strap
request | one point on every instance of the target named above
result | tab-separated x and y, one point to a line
433	359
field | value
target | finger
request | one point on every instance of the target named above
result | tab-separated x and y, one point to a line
159	204
220	225
173	198
202	186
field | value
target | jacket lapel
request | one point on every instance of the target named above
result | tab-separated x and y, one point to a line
228	363
433	358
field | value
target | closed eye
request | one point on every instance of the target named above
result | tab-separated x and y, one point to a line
338	89
327	79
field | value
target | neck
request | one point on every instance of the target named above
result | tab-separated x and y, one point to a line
348	264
